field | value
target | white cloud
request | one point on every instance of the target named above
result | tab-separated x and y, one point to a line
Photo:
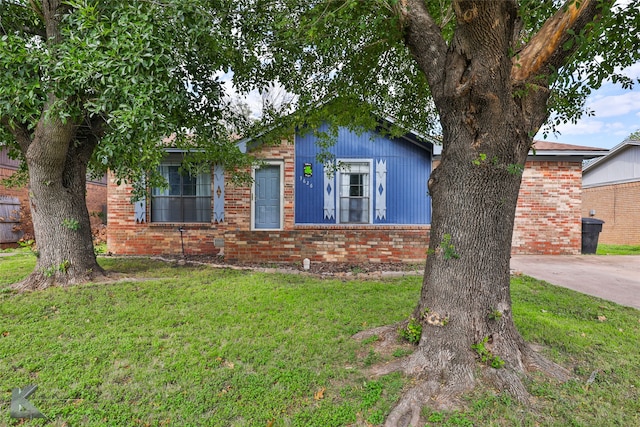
633	71
616	105
583	127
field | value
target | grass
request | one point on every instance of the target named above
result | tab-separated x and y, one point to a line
618	249
192	346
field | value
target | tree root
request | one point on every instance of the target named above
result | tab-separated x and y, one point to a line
38	281
440	379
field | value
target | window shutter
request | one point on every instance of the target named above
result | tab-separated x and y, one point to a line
381	189
218	193
140	208
329	193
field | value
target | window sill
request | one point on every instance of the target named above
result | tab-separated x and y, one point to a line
363	226
182	224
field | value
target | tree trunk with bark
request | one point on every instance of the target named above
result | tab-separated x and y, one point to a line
57	152
490	105
57	158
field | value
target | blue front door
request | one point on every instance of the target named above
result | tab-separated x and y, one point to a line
267	197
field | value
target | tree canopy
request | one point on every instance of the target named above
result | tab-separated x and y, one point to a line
97	85
357	51
133	72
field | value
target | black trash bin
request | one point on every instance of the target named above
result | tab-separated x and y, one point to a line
591	228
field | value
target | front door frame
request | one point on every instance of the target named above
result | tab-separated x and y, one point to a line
280	165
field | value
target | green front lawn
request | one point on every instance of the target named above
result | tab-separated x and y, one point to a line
618	249
193	346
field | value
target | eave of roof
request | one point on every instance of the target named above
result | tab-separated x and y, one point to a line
547	150
624	145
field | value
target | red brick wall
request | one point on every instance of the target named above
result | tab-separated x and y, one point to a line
549	209
127	237
547	222
330	244
618	205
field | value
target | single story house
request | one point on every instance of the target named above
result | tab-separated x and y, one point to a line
611	192
373	207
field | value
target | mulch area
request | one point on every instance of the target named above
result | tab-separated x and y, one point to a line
329	269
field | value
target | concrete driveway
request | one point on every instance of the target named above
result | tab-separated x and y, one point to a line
614	278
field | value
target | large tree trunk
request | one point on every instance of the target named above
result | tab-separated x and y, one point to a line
57	153
488	112
57	159
465	299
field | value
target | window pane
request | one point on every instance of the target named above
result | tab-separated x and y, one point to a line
188	185
189	209
354	192
355	185
188	198
175	181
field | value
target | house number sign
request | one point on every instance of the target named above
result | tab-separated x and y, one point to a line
307	169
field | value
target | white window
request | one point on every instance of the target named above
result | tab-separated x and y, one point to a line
186	199
354	180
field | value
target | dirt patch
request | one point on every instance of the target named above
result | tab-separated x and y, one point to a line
331	269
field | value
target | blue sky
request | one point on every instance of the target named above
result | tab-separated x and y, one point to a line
617	115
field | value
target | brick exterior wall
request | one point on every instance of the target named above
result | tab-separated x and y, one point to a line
127	237
549	209
618	206
547	222
346	244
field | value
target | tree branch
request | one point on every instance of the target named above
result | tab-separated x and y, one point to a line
547	50
425	42
20	132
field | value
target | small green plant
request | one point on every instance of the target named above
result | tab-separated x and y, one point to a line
486	356
371	339
448	250
26	243
478	160
100	248
71	224
412	332
29	244
372	393
356	269
371	358
436	417
62	268
515	169
401	352
495	314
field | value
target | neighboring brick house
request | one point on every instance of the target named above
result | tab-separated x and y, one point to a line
548	215
611	192
376	210
19	199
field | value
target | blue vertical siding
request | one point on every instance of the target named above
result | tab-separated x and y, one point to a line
408	170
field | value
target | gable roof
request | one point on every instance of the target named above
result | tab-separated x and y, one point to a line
426	142
615	151
621	164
